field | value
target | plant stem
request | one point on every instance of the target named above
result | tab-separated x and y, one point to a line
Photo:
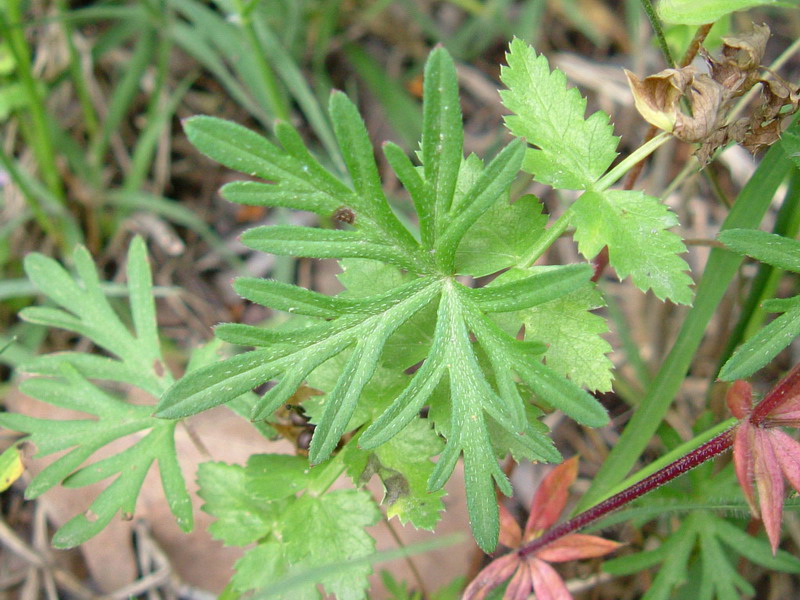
655	23
707	451
545	241
631	161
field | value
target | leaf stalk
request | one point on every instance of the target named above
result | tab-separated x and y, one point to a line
714	447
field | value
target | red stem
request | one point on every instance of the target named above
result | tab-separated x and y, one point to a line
699	455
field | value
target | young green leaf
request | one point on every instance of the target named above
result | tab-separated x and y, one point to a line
63	381
241	518
573	334
700	557
257	503
573	152
442	142
569	151
403	465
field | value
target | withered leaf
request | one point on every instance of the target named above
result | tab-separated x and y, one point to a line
706	101
657	96
738	68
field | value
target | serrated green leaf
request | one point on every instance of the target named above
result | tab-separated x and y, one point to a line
699	12
769	248
276	476
570	151
500	238
241	518
313	531
634	227
573	334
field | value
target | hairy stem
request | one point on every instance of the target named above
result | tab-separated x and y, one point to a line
707	451
655	23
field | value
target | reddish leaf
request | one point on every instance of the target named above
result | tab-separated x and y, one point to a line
740	399
493	575
743	461
769	481
510	533
787	450
547	584
519	588
551	497
575	547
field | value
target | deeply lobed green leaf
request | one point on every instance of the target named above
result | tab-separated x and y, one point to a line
64	381
402	304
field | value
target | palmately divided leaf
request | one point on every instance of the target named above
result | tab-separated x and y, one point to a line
570	151
63	381
402	306
701	555
300	182
224	381
634	226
